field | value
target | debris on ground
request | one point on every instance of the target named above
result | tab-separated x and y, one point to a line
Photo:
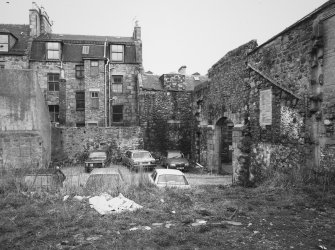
140	228
198	222
106	204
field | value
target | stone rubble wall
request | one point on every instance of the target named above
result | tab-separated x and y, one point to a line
73	144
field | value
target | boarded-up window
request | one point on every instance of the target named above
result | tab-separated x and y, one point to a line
117	84
130	54
265	106
117	113
53	82
54	113
80	100
94	68
95	100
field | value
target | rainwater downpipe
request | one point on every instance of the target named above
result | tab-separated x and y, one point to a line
105	81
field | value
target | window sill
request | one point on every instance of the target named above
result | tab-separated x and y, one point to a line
80	109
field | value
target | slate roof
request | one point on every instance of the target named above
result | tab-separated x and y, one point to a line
21	32
86	39
152	82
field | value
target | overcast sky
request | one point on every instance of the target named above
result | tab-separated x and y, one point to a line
195	33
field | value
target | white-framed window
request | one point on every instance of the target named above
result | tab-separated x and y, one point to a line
4	42
53	50
117	52
117	84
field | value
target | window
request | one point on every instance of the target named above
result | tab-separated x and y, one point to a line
54	113
117	113
94	68
4	43
53	82
80	100
95	100
86	50
53	50
2	66
117	84
79	71
117	53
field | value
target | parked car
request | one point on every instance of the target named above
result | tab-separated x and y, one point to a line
138	160
175	159
96	159
104	179
169	178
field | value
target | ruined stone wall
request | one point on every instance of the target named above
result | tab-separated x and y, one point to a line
24	120
74	143
225	96
167	120
173	81
301	60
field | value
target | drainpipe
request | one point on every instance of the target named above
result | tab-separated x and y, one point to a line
105	81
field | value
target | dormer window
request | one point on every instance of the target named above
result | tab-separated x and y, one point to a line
4	41
117	52
53	50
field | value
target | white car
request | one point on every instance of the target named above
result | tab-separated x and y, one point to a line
169	178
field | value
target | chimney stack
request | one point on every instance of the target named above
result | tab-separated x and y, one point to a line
39	21
137	31
182	70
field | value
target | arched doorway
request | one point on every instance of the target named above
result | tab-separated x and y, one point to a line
224	141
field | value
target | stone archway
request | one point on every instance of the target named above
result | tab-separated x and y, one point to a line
223	145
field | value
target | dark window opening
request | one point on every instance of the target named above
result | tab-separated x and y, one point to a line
53	82
54	113
117	84
80	100
80	124
117	113
79	71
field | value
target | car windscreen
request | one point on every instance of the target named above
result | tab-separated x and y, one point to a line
172	179
141	155
97	155
174	155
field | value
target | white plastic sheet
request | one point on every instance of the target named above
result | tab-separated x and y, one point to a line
106	204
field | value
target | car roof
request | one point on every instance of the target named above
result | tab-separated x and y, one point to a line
160	171
104	171
137	150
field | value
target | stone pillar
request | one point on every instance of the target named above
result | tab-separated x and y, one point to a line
238	164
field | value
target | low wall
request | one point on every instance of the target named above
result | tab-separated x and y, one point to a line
74	143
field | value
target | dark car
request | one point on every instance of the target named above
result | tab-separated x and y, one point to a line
139	160
176	160
96	159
